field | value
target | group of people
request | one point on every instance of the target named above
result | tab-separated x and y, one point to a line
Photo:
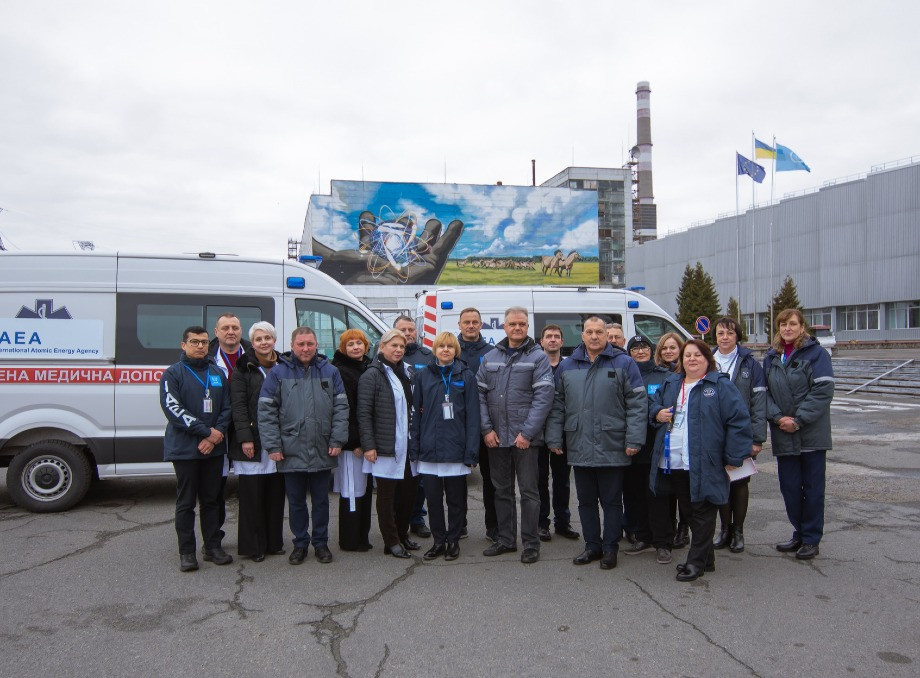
661	441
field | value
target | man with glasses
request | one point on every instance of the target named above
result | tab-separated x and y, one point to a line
195	398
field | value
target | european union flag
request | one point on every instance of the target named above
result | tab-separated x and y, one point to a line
751	168
787	161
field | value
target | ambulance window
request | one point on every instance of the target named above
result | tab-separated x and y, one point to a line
572	325
158	325
149	326
329	319
652	327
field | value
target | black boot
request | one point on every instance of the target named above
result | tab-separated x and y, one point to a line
737	545
682	536
724	536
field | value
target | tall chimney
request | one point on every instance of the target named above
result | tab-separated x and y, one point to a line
647	221
644	141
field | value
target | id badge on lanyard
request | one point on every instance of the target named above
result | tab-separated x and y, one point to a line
447	408
207	405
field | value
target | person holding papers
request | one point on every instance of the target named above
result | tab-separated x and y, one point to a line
747	376
703	431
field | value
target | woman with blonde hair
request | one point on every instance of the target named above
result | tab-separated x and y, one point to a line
800	386
261	487
384	398
667	355
444	440
350	480
668	350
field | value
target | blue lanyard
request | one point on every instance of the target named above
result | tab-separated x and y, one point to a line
446	383
207	389
667	450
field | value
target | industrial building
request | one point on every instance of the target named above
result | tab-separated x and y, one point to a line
852	248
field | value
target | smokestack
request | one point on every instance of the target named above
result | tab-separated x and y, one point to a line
645	212
644	141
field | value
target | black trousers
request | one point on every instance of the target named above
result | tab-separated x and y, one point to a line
558	464
453	488
261	524
198	481
636	499
395	501
701	516
355	526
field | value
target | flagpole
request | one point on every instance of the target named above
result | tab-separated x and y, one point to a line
753	183
737	238
770	278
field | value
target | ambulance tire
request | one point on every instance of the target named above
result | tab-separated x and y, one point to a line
48	476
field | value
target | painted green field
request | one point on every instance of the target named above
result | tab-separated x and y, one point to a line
583	273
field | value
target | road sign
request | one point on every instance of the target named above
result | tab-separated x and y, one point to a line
702	324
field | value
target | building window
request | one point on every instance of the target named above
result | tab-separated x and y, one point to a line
817	316
856	318
750	327
904	315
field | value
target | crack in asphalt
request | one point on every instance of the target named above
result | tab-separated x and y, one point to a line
331	633
696	628
103	539
235	604
383	661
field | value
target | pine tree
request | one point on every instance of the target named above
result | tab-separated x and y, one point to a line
734	311
697	296
686	300
787	297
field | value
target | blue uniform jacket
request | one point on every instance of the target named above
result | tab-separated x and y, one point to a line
182	394
719	429
433	438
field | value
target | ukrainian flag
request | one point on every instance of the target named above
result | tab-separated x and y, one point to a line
762	150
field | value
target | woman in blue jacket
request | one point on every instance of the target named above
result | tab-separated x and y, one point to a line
800	386
444	439
704	430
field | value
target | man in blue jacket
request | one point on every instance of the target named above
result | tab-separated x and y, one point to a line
303	424
195	398
601	407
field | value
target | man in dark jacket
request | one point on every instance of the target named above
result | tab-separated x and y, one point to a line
601	407
473	349
515	394
551	343
226	348
228	344
303	423
195	398
415	358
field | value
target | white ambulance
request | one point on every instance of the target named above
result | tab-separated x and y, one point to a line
84	339
439	310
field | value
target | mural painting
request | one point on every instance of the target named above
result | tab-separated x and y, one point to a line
395	233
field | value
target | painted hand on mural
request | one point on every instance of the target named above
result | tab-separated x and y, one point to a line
390	251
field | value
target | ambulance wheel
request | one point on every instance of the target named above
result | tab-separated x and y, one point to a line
48	476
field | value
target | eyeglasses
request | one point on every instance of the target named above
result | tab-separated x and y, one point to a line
197	342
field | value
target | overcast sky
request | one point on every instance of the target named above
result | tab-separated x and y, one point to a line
188	126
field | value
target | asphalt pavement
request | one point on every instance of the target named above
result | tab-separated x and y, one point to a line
97	591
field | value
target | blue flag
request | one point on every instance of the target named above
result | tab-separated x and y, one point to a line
751	168
787	161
